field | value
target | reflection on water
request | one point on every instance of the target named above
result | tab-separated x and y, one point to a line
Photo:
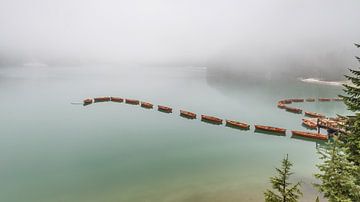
54	151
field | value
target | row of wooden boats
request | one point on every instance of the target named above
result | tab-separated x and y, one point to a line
291	100
230	123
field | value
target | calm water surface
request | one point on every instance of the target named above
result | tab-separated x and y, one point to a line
51	150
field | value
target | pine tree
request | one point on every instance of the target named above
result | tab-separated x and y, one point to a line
286	191
337	174
352	137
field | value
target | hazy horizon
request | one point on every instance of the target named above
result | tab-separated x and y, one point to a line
227	35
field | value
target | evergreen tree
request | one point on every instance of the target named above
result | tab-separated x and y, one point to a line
351	138
286	191
337	175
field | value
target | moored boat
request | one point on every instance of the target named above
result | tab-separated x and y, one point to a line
318	136
116	99
297	100
310	124
147	105
310	100
102	99
187	114
237	124
164	109
286	101
281	105
211	119
270	129
324	99
87	101
132	101
314	114
294	110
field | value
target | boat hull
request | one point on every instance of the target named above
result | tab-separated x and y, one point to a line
317	136
237	124
293	110
102	99
147	105
164	109
310	100
187	114
270	129
313	114
131	101
117	99
87	101
211	119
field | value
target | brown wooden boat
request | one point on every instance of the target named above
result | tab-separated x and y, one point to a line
102	99
147	105
211	119
131	101
237	124
310	100
318	136
270	129
337	99
314	114
297	100
281	105
117	99
187	114
310	124
294	110
286	101
324	99
164	109
87	101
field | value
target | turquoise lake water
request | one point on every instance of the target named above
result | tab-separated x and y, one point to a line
52	150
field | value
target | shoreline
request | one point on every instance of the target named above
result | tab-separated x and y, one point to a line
322	82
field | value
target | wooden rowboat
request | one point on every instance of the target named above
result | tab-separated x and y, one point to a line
294	110
297	100
117	99
211	119
318	136
237	124
324	99
187	114
102	99
131	101
270	129
281	105
164	109
147	105
287	101
309	123
310	100
87	101
314	114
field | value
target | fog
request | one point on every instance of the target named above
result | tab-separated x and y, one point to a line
227	35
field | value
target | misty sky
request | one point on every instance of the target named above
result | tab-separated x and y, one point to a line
185	31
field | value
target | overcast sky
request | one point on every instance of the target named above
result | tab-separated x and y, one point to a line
185	31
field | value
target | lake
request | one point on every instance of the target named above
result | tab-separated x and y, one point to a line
52	150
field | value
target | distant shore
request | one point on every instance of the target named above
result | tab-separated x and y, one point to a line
322	82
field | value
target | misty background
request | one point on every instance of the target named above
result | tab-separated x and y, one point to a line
232	38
